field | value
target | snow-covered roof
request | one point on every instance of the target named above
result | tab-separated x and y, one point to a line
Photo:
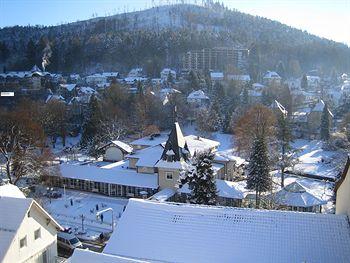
216	75
226	189
320	106
11	190
148	157
177	165
122	145
198	94
163	195
193	233
271	75
117	175
199	144
54	97
88	256
295	194
239	77
151	140
166	91
10	221
87	90
258	86
69	87
224	156
279	106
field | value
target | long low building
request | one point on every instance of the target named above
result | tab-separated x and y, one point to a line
111	181
172	232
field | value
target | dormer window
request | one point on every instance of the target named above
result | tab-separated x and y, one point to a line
170	155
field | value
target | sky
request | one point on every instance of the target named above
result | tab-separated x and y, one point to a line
325	18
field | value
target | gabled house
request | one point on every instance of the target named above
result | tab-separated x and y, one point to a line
271	78
115	151
27	232
198	99
164	74
173	159
314	118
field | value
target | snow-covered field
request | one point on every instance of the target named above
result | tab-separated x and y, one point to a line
312	159
85	204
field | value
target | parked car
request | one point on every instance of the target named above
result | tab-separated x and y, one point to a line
68	241
53	195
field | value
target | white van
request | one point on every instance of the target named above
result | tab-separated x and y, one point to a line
68	241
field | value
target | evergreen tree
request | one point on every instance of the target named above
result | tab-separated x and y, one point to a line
325	124
258	178
91	127
194	81
199	177
30	53
245	97
280	69
303	83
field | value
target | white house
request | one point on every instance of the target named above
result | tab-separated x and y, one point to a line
216	76
241	79
164	74
271	78
115	151
27	232
198	98
172	232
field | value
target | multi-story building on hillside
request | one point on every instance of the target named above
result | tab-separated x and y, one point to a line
218	58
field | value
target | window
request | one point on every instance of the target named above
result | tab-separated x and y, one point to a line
37	234
169	175
23	242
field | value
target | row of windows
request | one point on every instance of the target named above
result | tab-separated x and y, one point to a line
23	241
99	187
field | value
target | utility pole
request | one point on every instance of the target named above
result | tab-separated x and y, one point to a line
82	222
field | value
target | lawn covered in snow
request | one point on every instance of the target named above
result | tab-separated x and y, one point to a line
85	204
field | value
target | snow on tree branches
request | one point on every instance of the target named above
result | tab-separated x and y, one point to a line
199	176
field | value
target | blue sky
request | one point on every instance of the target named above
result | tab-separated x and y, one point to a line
326	18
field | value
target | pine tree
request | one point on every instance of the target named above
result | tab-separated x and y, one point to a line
91	127
245	97
199	177
325	124
280	69
194	81
258	178
303	83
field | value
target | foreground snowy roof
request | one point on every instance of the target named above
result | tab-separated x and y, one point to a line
88	256
296	195
117	175
170	232
11	190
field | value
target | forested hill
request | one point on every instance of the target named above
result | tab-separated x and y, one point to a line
158	37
